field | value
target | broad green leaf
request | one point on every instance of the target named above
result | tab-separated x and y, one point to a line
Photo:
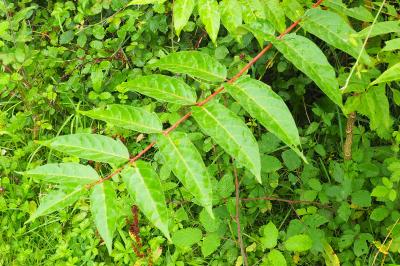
144	186
94	147
293	9
195	64
186	237
103	205
275	258
270	236
275	14
391	74
391	45
163	88
307	57
186	163
359	12
298	243
210	244
333	29
210	16
64	173
129	117
260	28
380	28
181	13
57	200
231	15
231	133
145	2
252	10
375	105
379	214
262	103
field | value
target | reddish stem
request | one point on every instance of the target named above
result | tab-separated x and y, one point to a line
209	98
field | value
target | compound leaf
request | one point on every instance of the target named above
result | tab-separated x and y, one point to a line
144	186
231	133
186	163
193	63
94	147
129	117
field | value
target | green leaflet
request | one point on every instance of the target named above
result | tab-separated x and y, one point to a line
306	56
231	15
57	200
262	103
231	133
144	186
144	2
260	29
64	173
103	205
375	105
391	74
275	258
193	63
298	243
163	88
94	147
379	28
186	163
181	13
293	9
333	29
210	16
275	14
252	10
129	117
391	45
360	12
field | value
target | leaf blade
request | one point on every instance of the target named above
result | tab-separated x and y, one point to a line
391	74
182	10
210	16
128	117
230	132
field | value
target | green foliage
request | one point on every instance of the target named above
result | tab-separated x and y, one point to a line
132	132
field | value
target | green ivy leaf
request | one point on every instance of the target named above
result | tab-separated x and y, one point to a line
210	16
129	117
391	74
64	173
298	243
262	103
181	13
94	147
57	200
162	88
307	57
193	63
335	30
186	163
144	186
103	205
186	237
231	133
231	15
275	14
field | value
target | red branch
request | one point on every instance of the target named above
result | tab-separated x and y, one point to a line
209	98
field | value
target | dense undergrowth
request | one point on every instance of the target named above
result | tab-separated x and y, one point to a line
339	207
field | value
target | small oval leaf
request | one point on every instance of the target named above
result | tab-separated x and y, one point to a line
128	117
144	186
103	205
307	57
94	147
195	64
231	133
262	103
64	173
162	88
186	163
